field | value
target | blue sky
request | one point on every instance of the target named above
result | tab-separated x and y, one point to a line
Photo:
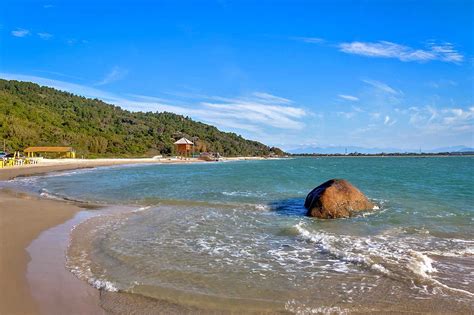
287	73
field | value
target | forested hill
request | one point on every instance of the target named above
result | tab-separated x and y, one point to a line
31	115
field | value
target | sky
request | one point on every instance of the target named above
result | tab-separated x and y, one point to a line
292	74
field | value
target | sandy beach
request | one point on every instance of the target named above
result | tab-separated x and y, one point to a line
23	217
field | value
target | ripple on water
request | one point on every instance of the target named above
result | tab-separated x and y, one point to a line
262	258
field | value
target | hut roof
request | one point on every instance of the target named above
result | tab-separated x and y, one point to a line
183	141
49	149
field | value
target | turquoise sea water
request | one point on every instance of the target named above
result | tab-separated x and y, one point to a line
233	235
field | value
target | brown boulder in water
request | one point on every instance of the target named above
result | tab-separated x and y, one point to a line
336	198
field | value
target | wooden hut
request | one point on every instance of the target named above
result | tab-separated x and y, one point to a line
184	147
61	152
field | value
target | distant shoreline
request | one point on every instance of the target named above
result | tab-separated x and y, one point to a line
414	155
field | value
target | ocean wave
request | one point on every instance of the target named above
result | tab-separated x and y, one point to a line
80	266
453	252
48	195
387	256
327	244
44	193
244	193
69	173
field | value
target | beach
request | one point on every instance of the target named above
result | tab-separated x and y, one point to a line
237	241
24	216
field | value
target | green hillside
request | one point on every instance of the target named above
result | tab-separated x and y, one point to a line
31	115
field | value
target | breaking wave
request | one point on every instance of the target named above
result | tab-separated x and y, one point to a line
390	257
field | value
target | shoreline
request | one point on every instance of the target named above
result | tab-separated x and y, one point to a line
25	219
56	165
35	235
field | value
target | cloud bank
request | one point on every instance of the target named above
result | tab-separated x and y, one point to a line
20	32
384	49
254	113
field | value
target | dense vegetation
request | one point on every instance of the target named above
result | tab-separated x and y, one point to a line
31	115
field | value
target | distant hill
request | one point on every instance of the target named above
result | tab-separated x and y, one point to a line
457	148
341	150
363	150
31	115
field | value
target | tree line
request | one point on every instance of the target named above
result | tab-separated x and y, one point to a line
33	115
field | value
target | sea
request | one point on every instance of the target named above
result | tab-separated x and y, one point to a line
233	237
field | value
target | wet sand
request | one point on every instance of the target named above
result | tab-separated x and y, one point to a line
22	219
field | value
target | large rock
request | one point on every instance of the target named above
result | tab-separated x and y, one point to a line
336	198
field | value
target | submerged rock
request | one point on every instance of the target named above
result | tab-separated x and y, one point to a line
336	198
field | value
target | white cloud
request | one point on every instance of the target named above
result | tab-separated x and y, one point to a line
446	52
252	113
271	98
388	121
349	97
382	86
310	40
433	120
441	83
457	116
256	111
383	49
45	36
20	32
48	6
115	74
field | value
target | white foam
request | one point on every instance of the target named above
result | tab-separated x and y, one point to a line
262	207
244	193
141	209
394	258
421	264
103	285
453	252
299	308
48	195
326	243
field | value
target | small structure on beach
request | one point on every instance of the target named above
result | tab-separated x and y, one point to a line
184	147
61	152
208	156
